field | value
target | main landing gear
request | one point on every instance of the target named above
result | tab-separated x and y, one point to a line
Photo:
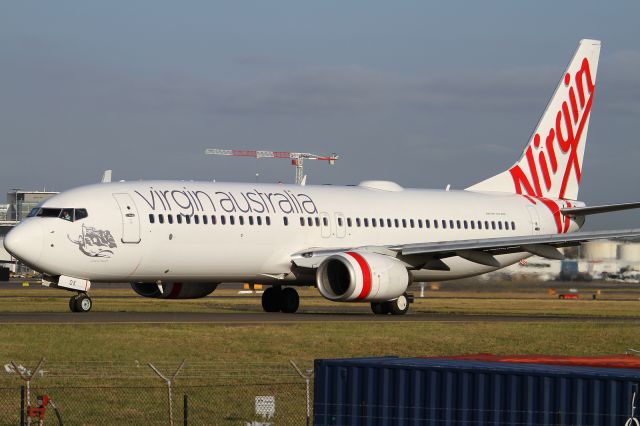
399	306
278	299
81	302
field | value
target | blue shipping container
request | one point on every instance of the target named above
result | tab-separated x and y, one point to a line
415	391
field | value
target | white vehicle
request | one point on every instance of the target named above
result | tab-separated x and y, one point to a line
363	243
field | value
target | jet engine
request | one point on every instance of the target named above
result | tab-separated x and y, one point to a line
174	290
361	277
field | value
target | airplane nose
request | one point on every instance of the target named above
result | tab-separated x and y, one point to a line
25	242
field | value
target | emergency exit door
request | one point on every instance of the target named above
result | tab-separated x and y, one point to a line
130	219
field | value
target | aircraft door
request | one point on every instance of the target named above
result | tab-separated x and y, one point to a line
130	218
325	225
535	219
341	229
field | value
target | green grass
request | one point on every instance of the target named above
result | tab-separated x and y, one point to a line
236	362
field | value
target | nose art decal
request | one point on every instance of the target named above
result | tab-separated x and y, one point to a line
94	242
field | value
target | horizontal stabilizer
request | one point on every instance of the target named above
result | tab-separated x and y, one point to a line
584	211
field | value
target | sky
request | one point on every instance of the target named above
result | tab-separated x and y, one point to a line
426	94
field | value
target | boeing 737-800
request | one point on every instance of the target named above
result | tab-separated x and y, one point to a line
364	243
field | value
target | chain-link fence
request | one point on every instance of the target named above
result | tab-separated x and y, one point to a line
204	394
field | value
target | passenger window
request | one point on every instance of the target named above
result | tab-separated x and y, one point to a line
374	222
397	223
349	222
317	221
302	221
152	218
389	223
81	214
444	224
204	219
170	218
223	220
499	225
358	222
213	219
339	221
259	220
404	223
268	220
310	221
419	223
479	224
250	220
493	225
187	219
506	226
411	223
458	224
450	223
161	218
285	220
486	224
473	225
513	226
179	217
427	223
241	219
466	225
196	219
381	223
435	223
325	221
366	222
232	220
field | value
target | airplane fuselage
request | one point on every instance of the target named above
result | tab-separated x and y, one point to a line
153	231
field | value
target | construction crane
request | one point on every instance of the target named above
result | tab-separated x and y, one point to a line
296	158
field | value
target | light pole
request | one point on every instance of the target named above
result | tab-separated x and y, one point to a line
15	203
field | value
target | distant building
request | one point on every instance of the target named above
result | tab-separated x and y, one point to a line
4	209
21	202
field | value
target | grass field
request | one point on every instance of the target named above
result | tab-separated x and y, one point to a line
237	361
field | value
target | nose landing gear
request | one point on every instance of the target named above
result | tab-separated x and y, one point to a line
80	303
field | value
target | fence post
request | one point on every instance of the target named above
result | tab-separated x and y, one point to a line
185	409
22	396
27	377
168	382
307	379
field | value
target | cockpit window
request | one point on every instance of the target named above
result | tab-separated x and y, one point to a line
81	214
34	211
49	213
66	214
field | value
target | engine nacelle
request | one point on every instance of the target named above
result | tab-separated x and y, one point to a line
361	277
174	290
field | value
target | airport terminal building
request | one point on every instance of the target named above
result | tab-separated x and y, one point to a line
19	204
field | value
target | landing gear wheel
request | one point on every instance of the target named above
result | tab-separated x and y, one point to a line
380	308
400	306
289	300
271	299
82	303
72	304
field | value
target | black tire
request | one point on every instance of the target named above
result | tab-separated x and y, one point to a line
72	304
380	308
83	303
271	300
399	306
289	300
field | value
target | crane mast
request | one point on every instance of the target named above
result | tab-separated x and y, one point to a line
297	158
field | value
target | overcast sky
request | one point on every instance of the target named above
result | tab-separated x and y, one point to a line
422	93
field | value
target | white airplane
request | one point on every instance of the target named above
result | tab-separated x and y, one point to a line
364	243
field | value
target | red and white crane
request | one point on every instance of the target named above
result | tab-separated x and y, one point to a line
296	158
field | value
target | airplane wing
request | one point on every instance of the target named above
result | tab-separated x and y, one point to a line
481	251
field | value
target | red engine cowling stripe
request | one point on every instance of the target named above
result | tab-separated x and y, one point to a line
366	274
175	291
